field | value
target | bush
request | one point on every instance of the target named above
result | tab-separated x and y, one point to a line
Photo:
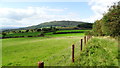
89	33
42	33
110	23
99	52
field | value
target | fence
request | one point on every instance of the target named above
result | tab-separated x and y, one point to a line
76	48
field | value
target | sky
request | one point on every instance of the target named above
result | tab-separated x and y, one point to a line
23	13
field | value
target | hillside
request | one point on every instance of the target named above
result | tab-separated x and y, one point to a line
57	23
54	24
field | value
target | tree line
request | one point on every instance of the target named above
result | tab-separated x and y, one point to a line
109	25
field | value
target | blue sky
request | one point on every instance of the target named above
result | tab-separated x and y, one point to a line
80	8
22	14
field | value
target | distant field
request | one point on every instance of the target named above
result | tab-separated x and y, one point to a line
48	34
72	30
63	35
23	34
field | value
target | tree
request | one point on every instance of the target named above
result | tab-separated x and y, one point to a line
111	21
3	34
85	25
27	30
97	30
42	33
38	30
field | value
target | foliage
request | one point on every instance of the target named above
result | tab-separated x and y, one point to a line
4	34
42	33
34	34
97	28
110	23
56	24
99	52
89	33
85	25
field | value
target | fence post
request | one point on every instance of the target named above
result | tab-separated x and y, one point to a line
84	40
90	37
73	53
40	64
81	44
87	38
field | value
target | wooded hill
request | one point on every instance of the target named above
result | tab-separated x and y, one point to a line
57	24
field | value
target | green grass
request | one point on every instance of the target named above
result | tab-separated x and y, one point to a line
72	30
0	53
47	34
64	35
99	52
55	50
23	34
28	51
0	35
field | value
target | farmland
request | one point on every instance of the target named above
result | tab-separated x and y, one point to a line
26	34
28	51
62	43
56	51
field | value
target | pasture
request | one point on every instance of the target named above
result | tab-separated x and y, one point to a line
26	34
55	51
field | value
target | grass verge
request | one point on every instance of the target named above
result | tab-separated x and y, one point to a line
98	52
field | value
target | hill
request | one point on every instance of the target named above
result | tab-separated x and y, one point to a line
69	24
57	24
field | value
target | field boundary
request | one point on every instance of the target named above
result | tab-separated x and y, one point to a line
82	40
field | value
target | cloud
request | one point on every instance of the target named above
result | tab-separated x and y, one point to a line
22	17
44	0
33	15
28	16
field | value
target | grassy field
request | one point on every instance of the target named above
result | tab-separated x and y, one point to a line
28	51
55	50
23	34
72	30
46	34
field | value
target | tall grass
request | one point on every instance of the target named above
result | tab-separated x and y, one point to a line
99	52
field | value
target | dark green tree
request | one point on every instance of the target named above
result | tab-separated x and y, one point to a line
97	28
111	21
3	34
85	25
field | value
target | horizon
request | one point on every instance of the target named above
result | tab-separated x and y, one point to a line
24	14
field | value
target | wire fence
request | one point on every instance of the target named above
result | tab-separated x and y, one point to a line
64	57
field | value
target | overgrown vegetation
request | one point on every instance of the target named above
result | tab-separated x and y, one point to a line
99	52
109	25
85	25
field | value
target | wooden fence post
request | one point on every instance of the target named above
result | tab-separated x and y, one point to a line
84	40
81	44
87	38
40	64
73	53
